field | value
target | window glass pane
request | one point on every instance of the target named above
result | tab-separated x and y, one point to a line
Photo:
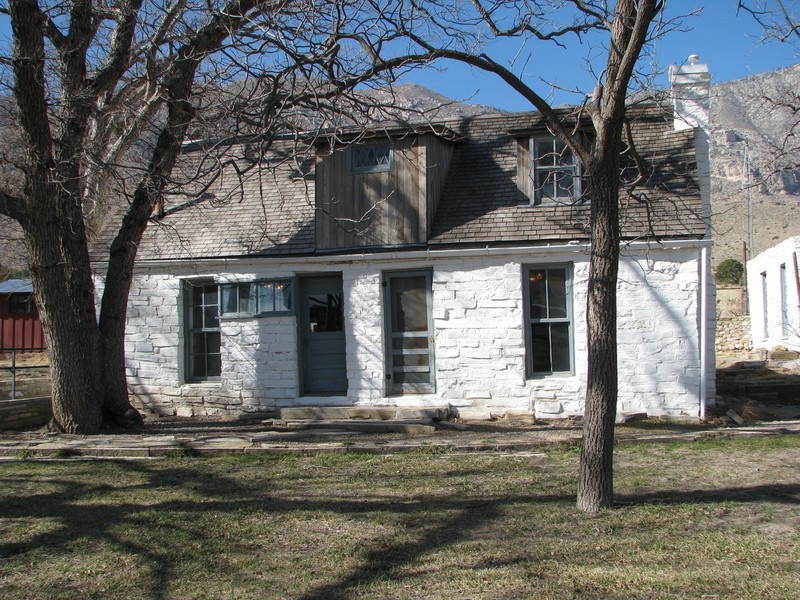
214	368
371	157
266	297
544	152
548	186
213	342
198	366
564	183
210	295
230	299
537	280
423	377
210	317
198	343
560	351
410	360
410	343
563	154
325	312
409	304
540	348
557	293
283	296
247	298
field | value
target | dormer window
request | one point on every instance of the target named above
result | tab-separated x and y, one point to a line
555	171
371	157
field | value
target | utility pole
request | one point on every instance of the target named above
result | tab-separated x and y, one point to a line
747	183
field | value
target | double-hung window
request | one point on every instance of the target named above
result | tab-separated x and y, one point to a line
555	171
203	343
548	314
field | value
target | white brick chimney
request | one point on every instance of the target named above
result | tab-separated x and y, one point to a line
691	94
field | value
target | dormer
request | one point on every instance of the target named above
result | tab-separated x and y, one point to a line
380	189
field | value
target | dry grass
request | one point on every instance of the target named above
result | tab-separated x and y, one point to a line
715	520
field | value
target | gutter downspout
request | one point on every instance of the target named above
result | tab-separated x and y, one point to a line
703	331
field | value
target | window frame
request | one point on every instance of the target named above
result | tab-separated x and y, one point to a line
255	298
22	303
537	198
529	320
354	169
784	303
191	329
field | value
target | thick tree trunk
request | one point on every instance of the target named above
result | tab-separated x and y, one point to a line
596	477
113	310
59	266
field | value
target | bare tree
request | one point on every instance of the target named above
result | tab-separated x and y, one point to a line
105	95
465	32
780	21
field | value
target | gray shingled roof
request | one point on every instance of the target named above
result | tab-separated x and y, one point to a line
271	211
480	203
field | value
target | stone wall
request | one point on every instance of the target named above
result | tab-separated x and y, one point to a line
479	337
733	335
30	408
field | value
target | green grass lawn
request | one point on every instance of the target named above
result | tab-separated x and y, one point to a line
702	520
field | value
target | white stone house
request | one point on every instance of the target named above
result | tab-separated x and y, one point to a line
435	266
773	290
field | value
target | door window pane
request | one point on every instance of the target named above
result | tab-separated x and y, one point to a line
325	312
409	304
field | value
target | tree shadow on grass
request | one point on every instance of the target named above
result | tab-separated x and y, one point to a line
99	513
783	493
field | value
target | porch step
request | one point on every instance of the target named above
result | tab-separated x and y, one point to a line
352	425
355	413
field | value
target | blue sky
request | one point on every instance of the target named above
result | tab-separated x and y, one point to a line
729	43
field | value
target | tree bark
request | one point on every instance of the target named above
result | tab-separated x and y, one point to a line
596	474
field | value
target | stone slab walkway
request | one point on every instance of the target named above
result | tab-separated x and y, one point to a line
209	438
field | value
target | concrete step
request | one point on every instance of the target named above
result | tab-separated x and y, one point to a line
352	425
371	413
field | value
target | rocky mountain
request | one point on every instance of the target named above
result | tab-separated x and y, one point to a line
751	133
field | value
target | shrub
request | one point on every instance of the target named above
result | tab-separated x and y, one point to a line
730	272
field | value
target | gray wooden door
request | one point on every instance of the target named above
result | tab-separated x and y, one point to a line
322	345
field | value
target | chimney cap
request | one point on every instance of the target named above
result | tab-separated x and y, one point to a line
693	59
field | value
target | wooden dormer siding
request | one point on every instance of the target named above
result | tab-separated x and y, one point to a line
387	208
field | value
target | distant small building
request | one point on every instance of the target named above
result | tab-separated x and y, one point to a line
20	327
773	286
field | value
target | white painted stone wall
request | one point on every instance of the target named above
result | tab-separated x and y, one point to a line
479	338
768	333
